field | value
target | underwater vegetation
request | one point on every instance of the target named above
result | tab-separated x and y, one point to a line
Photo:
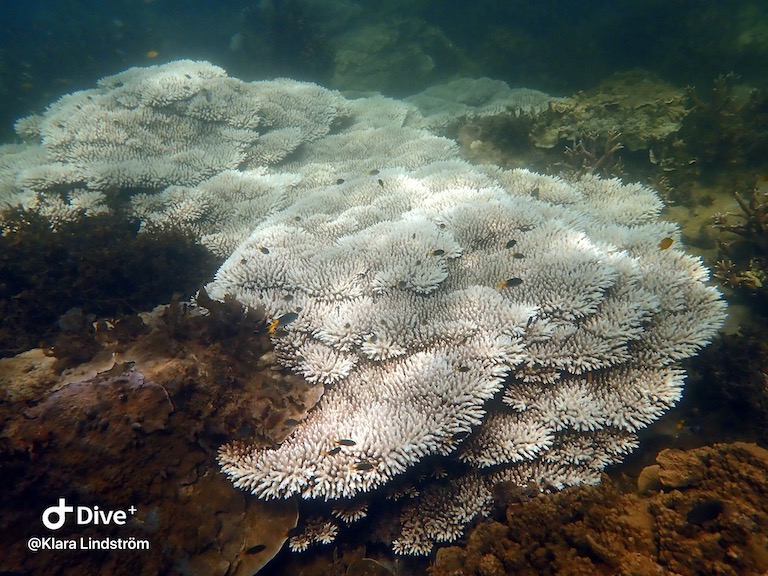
100	265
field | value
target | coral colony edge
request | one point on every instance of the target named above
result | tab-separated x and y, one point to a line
499	325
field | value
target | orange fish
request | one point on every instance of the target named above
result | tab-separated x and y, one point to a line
665	243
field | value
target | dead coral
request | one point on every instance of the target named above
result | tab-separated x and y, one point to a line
752	223
726	127
708	519
593	154
744	244
645	109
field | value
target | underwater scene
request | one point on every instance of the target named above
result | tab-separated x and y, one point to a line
394	288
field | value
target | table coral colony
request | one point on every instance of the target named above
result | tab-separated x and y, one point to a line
499	325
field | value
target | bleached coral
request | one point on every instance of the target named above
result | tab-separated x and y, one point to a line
458	285
523	325
177	124
466	100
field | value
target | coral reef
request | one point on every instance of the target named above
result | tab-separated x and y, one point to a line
589	155
175	124
139	425
447	106
373	55
511	326
727	126
643	109
701	511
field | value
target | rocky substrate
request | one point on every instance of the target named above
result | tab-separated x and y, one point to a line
699	511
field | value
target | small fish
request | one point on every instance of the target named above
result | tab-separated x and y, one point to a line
535	192
665	243
381	182
518	256
345	442
509	283
263	249
291	422
460	435
332	451
364	465
437	252
340	181
151	54
462	369
255	549
281	321
373	172
510	244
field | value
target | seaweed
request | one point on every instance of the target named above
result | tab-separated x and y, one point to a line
101	265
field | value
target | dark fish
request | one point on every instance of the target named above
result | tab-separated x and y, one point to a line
665	243
462	369
333	451
282	321
263	249
510	244
255	549
535	192
518	256
340	181
509	283
437	252
364	465
381	182
346	442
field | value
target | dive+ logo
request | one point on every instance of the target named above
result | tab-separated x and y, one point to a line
54	517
